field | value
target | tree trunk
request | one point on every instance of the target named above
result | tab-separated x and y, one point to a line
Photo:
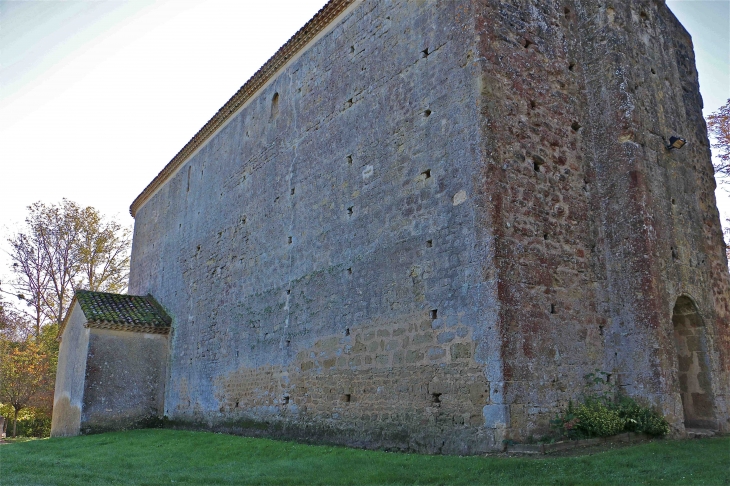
15	422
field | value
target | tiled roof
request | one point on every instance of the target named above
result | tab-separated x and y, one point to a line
298	41
123	312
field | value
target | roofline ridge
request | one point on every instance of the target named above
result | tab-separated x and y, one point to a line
316	25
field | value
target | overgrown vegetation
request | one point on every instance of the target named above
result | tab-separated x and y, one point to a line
179	457
606	411
32	421
60	248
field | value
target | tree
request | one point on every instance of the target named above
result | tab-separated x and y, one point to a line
61	247
64	247
103	254
718	125
24	375
13	327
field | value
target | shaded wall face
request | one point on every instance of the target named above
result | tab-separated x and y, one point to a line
125	381
319	255
598	227
69	391
695	382
540	184
657	227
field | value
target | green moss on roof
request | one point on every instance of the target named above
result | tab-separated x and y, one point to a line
123	311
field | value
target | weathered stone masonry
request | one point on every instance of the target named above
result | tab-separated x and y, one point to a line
431	224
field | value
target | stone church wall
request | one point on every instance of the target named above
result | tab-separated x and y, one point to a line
428	228
318	255
599	228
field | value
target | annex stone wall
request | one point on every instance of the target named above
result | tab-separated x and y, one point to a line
125	381
69	389
431	225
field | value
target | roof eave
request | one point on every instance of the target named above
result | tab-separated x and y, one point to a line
296	44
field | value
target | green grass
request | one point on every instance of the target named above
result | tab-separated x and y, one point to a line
178	457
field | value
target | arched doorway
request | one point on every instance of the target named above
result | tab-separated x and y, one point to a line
695	387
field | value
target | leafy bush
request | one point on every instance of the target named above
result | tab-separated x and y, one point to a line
32	422
596	419
605	411
641	419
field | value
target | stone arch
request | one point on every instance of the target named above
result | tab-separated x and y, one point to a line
695	385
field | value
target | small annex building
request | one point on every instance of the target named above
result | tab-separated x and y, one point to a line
111	364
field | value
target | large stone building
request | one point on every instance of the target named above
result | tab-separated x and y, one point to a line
422	222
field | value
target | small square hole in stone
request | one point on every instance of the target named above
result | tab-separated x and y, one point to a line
288	343
425	53
434	313
286	400
545	236
435	398
429	243
288	291
346	398
349	159
575	126
426	174
349	210
427	113
236	404
552	309
347	331
292	191
349	271
290	240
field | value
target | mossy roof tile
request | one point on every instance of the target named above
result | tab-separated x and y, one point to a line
123	312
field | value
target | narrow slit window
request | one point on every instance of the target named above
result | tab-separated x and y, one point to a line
274	106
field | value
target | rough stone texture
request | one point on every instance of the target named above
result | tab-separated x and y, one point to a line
430	226
598	228
695	384
125	380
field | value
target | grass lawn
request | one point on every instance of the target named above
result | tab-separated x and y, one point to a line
157	456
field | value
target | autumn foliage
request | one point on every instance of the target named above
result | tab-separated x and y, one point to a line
25	372
60	248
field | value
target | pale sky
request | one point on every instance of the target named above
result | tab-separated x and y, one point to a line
97	96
